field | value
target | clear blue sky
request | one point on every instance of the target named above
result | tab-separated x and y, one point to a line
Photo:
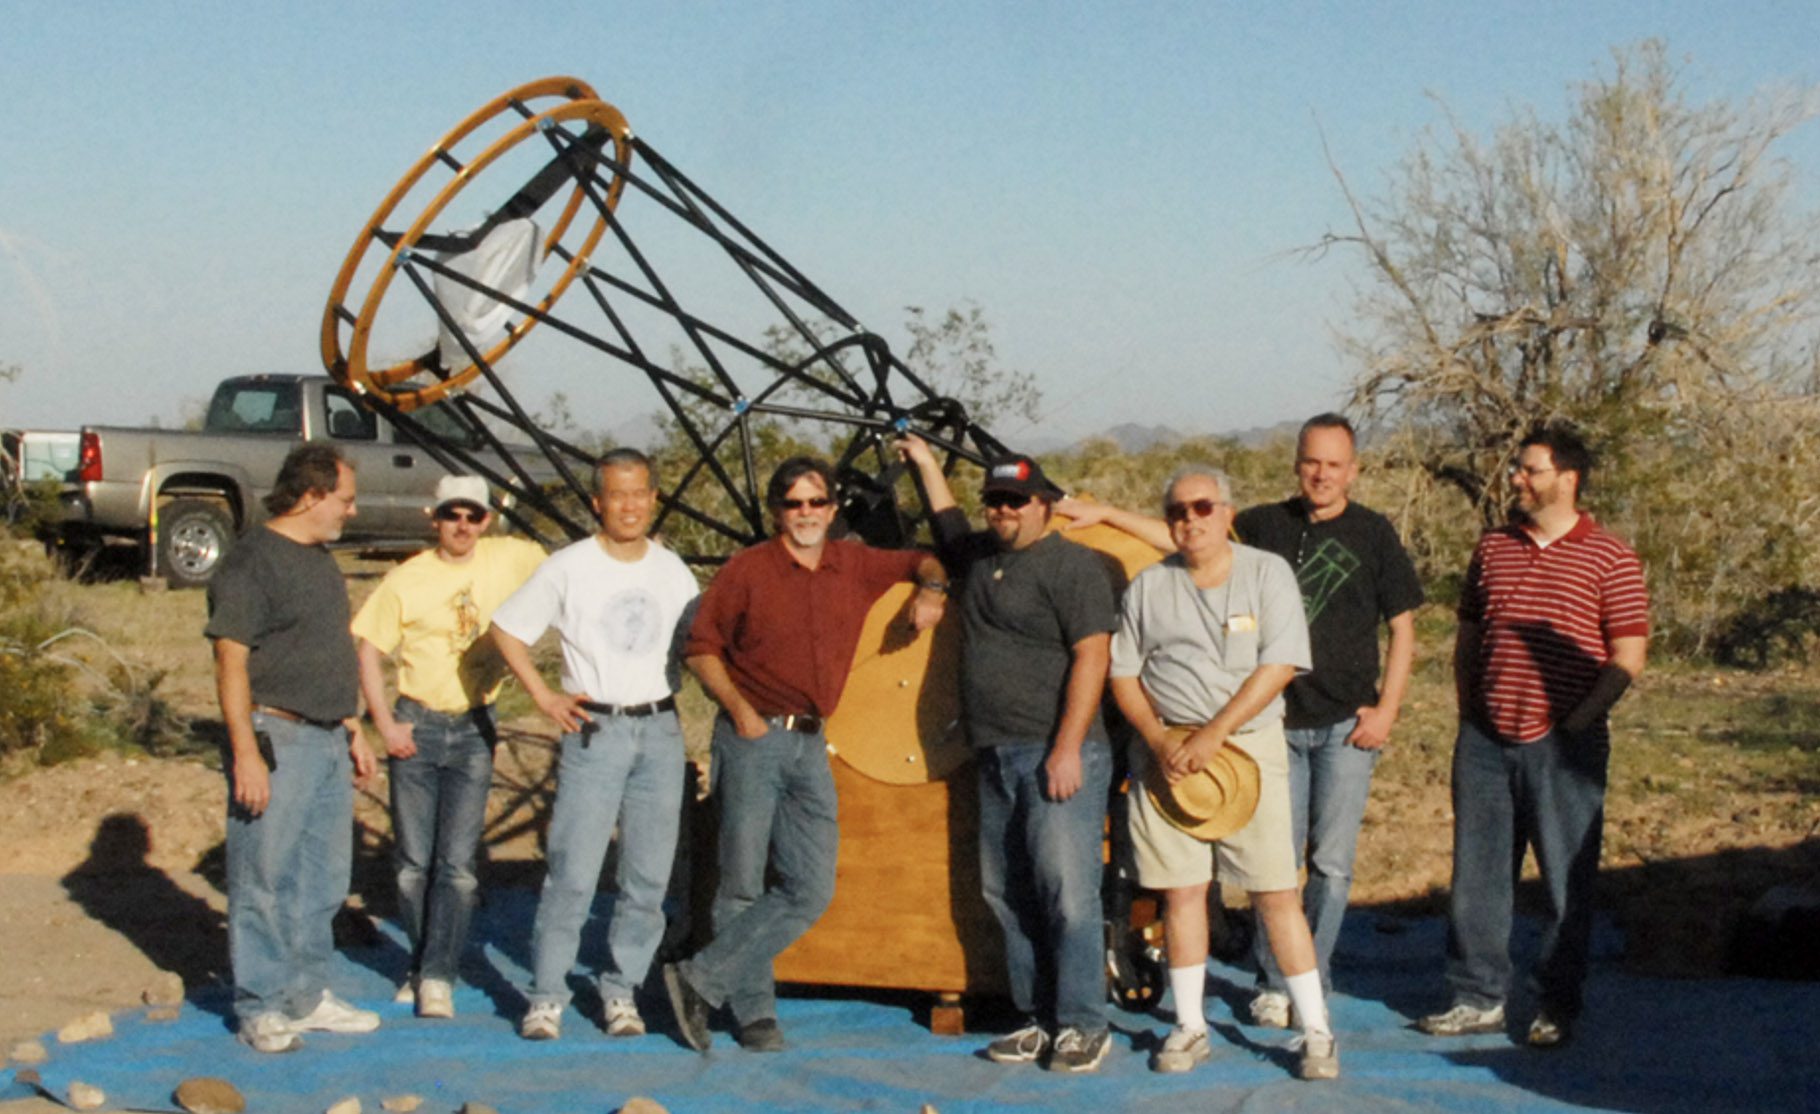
1121	186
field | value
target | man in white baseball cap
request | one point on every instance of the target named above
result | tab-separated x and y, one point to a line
429	614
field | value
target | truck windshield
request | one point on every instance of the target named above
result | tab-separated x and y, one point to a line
448	425
255	408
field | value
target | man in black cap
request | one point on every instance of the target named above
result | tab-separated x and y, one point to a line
1038	612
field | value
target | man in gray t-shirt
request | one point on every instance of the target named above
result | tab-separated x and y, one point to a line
288	684
1207	640
1038	612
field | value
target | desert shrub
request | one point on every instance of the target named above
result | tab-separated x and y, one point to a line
66	692
1783	626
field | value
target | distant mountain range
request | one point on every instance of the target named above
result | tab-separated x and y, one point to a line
1131	437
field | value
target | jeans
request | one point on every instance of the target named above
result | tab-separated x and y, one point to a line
628	768
1329	783
776	795
288	871
1549	794
1040	871
439	806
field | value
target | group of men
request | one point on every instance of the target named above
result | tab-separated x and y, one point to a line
1230	662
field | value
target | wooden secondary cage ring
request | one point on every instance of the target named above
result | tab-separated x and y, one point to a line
416	382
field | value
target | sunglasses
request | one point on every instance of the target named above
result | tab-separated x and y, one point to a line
817	502
1008	500
461	514
1197	508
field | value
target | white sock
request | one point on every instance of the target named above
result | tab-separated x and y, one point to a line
1310	1003
1189	985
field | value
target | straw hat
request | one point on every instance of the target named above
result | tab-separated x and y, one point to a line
1211	804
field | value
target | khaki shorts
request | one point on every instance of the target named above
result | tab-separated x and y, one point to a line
1258	858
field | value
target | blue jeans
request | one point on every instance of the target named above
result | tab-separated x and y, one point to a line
777	796
1041	871
628	768
1329	783
288	870
1549	794
439	806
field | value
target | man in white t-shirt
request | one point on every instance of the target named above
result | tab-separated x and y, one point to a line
620	604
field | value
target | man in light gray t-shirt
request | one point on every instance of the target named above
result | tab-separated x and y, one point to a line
1208	640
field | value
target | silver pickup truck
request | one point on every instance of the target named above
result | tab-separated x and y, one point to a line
183	496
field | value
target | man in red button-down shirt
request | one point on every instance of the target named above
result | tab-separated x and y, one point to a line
772	644
1554	625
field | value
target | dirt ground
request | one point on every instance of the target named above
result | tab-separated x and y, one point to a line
111	872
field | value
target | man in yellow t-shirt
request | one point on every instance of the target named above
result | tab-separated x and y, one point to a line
430	612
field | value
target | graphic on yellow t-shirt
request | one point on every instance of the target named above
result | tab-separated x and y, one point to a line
431	614
467	620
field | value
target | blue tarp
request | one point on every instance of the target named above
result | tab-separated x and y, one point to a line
1646	1045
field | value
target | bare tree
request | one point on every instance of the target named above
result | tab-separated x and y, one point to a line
1636	268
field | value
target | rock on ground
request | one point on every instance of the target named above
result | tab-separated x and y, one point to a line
88	1027
208	1095
165	990
28	1052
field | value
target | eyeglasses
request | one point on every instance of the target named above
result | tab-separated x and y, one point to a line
460	514
1198	508
1005	500
817	502
1526	470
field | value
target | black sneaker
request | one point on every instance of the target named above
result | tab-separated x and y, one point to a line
1026	1046
690	1008
1079	1052
762	1035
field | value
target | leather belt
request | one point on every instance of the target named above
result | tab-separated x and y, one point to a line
293	717
807	724
667	704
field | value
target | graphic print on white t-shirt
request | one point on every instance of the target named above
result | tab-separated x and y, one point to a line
631	622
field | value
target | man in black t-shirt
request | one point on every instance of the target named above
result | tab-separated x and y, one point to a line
1038	614
287	678
1354	575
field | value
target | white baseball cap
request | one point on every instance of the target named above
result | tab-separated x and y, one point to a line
461	489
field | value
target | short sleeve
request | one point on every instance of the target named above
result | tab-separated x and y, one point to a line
238	609
1399	588
528	612
1472	593
1127	645
1085	602
1282	622
1624	599
381	618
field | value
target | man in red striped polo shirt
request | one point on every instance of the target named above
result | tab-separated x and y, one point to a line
1554	626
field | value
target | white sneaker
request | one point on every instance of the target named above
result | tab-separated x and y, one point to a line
270	1032
543	1022
435	998
1320	1057
623	1019
406	994
1271	1009
332	1015
1182	1050
1463	1019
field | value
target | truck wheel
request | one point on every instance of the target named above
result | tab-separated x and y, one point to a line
193	537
